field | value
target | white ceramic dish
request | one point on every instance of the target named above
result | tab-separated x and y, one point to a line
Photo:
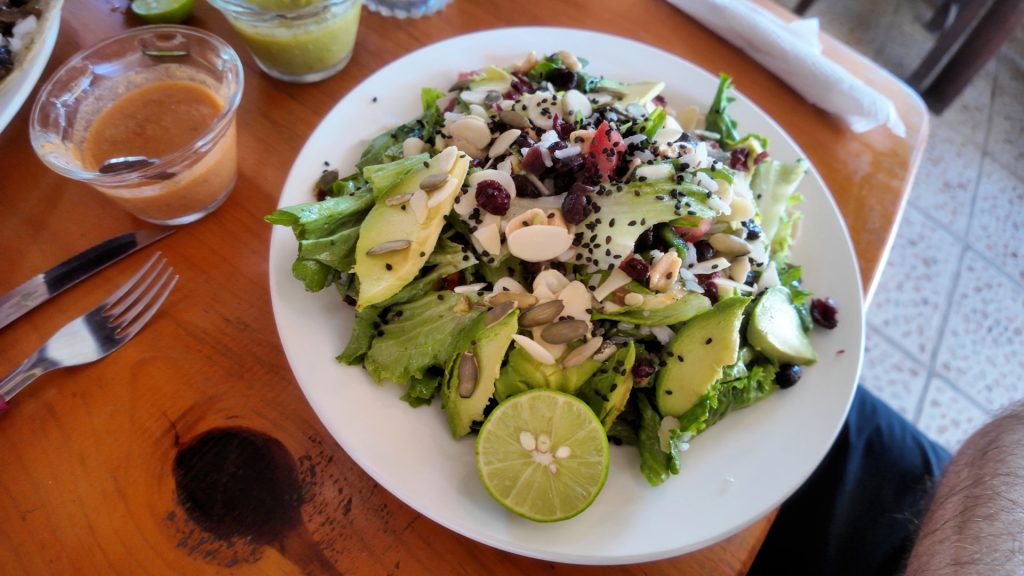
735	473
18	85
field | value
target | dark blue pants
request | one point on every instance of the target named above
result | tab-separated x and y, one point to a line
859	512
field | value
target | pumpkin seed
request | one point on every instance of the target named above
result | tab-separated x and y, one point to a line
389	246
498	313
433	182
467	374
564	331
521	299
398	199
541	314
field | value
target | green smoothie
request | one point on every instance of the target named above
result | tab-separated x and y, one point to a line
306	48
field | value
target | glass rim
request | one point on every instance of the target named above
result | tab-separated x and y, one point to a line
153	171
245	11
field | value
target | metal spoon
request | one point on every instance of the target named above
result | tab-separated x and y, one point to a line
129	163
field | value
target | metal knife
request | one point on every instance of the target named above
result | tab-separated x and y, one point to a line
42	287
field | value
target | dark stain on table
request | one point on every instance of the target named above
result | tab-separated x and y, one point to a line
240	484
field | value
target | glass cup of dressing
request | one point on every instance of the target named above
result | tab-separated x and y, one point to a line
297	41
147	118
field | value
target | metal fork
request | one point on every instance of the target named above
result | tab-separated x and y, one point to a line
99	331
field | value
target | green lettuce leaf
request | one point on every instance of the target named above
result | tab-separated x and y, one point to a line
654	121
387	146
421	390
432	117
384	177
422	334
773	185
725	396
654	463
718	119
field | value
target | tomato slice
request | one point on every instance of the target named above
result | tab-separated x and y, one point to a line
606	150
693	234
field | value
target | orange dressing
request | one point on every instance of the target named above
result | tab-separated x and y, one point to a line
155	121
152	121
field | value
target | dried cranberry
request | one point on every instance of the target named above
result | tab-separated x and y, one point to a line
636	268
562	128
450	281
561	78
659	100
825	312
760	157
643	368
525	188
521	83
704	251
493	197
788	375
533	162
576	205
738	159
580	188
710	288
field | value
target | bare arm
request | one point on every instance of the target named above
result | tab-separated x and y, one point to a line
975	524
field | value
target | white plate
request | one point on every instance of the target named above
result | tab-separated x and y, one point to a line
18	85
735	473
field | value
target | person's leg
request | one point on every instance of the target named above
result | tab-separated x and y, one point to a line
858	512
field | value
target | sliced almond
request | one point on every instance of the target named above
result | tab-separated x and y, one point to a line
468	288
739	269
534	349
617	279
507	284
514	119
605	351
418	204
470	133
539	243
445	160
667	135
549	283
577	301
541	109
570	61
489	238
689	118
478	111
729	245
709	266
502	142
655	172
583	352
724	190
664	271
531	217
740	209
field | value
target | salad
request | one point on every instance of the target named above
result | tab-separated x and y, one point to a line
543	245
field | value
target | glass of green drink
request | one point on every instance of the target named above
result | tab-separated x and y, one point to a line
296	40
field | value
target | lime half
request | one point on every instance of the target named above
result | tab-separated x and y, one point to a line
543	455
163	11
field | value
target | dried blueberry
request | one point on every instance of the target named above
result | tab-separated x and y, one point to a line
825	312
493	197
788	375
561	78
576	205
753	229
645	241
642	369
704	251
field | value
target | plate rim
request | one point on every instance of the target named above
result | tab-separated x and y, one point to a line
39	55
382	479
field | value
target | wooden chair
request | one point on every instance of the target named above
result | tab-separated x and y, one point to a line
970	33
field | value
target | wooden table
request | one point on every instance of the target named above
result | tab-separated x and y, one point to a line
86	480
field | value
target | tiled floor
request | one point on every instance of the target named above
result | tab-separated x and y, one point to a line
945	343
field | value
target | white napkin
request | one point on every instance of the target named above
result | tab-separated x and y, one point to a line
793	53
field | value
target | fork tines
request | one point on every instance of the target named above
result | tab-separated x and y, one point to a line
134	304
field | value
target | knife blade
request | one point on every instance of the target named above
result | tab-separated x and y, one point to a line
42	287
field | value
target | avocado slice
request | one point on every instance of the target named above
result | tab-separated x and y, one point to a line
608	389
775	329
383	275
697	354
489	352
641	92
